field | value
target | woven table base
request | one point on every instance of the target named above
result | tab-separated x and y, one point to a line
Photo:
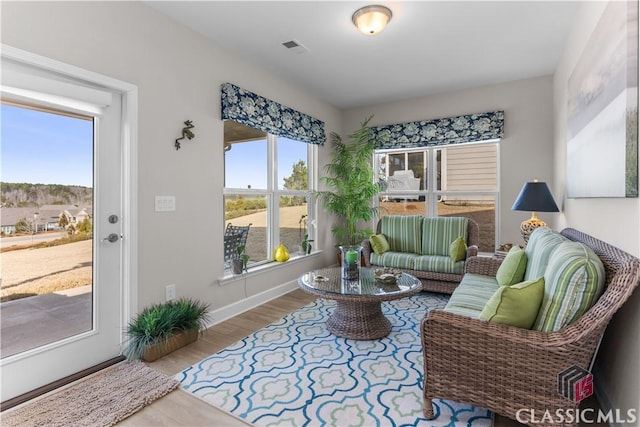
359	320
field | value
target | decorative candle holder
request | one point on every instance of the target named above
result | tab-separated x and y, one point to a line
351	256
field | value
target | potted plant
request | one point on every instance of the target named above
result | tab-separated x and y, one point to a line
162	328
239	263
305	243
350	187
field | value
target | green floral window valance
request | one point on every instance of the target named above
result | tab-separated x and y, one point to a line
452	130
261	113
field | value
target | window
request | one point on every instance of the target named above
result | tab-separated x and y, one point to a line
267	187
458	180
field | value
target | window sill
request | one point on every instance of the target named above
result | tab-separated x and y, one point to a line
229	278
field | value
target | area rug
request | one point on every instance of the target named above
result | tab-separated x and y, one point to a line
102	399
295	373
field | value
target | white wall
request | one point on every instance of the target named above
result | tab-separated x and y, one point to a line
617	221
178	73
525	150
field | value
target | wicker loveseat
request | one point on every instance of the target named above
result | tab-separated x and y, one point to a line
508	369
420	246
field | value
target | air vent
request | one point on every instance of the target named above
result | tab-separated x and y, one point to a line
295	46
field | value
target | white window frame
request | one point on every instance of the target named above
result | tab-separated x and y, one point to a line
273	194
431	193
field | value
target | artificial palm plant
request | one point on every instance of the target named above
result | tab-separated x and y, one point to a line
350	185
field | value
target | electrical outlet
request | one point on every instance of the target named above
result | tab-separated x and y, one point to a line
170	292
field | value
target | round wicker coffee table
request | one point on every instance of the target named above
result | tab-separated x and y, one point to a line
358	314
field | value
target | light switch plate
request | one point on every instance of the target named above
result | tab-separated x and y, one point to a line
165	203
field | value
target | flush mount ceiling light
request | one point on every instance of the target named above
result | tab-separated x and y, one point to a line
371	20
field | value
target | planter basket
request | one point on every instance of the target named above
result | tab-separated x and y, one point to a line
179	340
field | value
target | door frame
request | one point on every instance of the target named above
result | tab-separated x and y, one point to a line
129	150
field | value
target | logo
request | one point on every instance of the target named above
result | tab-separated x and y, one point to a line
575	383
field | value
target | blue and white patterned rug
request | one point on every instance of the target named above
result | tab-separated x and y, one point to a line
295	373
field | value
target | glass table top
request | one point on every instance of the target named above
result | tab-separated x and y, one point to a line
329	280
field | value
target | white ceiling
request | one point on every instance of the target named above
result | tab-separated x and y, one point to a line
428	47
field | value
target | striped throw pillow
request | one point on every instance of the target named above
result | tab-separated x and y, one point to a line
574	280
542	242
439	232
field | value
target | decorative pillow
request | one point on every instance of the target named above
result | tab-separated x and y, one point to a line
515	305
542	242
574	280
512	268
379	243
458	249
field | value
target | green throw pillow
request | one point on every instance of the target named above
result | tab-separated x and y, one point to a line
458	249
379	243
513	266
515	305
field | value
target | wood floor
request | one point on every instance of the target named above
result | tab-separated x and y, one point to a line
180	408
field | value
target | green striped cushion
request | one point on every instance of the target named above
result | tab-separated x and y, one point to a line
440	232
439	264
403	232
574	280
394	259
473	292
542	242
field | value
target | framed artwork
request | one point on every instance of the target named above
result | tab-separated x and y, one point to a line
602	130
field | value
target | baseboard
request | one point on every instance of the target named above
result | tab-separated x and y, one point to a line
231	310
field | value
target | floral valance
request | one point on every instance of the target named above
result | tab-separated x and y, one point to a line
261	113
452	130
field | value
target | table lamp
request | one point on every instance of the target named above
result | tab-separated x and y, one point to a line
535	197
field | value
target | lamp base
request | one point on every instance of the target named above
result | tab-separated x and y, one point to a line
527	227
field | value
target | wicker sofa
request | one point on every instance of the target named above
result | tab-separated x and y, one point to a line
420	246
505	368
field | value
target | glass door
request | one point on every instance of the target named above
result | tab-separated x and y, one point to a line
62	254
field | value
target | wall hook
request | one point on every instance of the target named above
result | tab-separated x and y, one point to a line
186	133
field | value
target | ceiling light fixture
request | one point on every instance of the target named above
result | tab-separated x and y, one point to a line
371	20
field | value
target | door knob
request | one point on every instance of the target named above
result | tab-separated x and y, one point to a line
112	238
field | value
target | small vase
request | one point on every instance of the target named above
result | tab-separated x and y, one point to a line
351	261
237	266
